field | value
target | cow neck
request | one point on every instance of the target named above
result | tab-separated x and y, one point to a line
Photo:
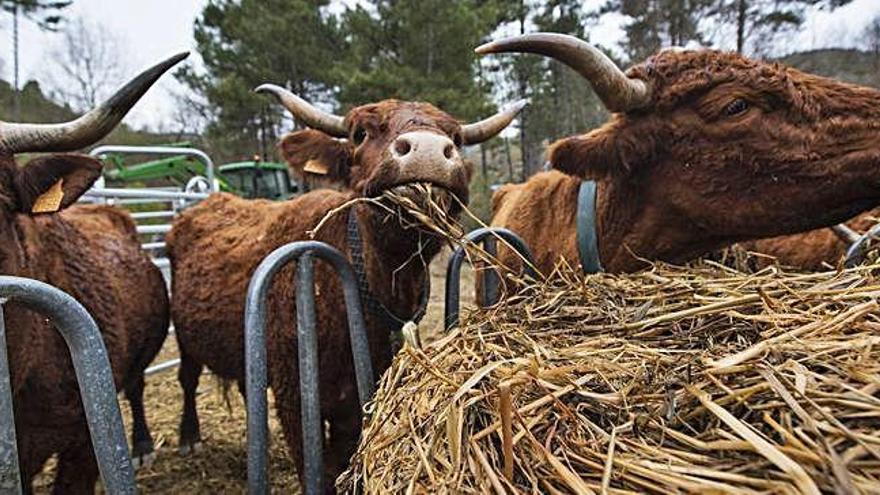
392	255
631	233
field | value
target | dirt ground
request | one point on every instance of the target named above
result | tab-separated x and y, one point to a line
221	465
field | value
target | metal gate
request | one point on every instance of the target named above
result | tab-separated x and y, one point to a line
93	374
304	254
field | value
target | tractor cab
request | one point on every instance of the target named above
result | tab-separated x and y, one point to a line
258	179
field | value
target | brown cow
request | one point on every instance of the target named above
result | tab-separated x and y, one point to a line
705	149
92	253
215	246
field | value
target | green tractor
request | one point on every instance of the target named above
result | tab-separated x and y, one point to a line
249	179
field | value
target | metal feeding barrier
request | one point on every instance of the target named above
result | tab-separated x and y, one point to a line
490	293
857	251
304	254
93	374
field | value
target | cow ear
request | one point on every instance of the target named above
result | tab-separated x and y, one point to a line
587	156
53	182
313	152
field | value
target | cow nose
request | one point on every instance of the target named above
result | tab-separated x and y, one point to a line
421	147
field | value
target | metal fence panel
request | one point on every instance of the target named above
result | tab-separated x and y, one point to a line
93	374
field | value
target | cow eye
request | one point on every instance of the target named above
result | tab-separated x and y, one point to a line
359	135
457	140
736	107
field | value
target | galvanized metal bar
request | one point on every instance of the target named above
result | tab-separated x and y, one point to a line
145	215
452	305
147	194
490	292
153	229
256	376
310	402
93	374
158	368
161	150
10	475
152	245
856	253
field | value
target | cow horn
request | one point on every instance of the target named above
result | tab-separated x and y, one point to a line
486	129
846	234
306	112
618	92
89	128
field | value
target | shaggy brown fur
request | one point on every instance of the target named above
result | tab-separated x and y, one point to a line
730	149
92	253
215	246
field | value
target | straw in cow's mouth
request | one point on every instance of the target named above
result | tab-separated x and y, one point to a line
430	211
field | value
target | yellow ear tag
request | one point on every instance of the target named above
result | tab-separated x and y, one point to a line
49	201
316	167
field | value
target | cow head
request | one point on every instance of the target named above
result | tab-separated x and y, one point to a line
382	146
49	183
711	148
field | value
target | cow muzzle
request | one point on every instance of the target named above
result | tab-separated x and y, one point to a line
423	151
429	157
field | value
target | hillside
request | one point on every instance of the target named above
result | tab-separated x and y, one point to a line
853	66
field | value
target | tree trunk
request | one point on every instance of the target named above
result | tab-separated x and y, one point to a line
742	7
16	94
510	177
523	116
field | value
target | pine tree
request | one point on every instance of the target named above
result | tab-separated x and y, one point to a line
249	42
417	50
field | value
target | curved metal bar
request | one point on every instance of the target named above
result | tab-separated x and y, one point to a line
452	305
856	253
10	475
93	374
256	375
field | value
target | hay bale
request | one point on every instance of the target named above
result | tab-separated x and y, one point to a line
698	379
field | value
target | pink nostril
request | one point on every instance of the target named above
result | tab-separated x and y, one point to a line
448	151
402	146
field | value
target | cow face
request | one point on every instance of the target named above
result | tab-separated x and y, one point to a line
396	143
726	147
388	144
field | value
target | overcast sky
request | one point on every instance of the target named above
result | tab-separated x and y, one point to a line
151	30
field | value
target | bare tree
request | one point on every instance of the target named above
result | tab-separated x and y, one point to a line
89	64
871	40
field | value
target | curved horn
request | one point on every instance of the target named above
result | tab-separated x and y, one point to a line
846	234
306	112
618	92
488	128
88	129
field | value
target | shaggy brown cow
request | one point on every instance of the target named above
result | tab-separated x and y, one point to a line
92	253
705	149
215	246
